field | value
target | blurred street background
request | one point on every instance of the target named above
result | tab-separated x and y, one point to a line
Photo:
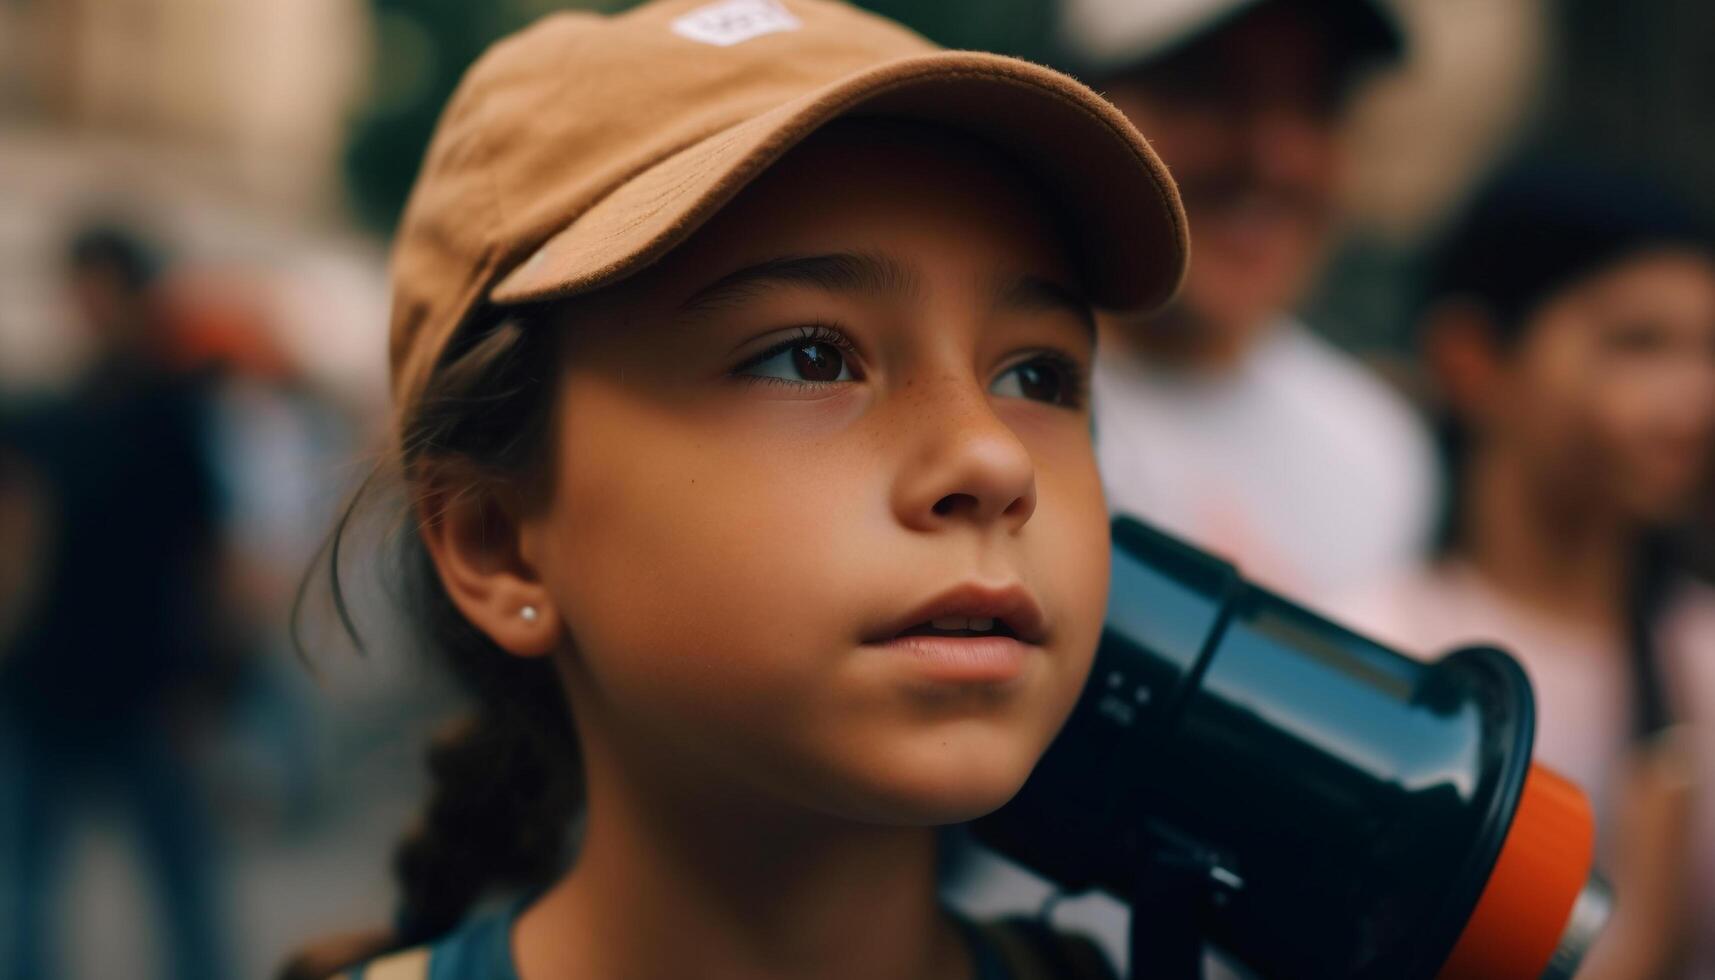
243	162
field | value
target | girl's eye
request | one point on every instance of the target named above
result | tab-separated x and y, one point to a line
1046	378
805	360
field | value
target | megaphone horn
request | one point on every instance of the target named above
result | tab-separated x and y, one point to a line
1250	774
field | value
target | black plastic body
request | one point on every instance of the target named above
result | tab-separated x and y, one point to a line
1345	803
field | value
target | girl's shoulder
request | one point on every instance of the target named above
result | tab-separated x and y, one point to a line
406	964
1007	949
481	949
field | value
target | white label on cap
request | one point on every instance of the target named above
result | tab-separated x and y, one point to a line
735	21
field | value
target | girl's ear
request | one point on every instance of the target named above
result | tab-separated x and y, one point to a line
1462	349
476	538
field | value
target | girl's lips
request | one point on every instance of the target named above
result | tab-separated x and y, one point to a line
1012	606
962	659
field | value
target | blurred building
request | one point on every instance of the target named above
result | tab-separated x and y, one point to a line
221	125
264	87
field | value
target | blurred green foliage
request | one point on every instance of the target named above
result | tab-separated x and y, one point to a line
422	47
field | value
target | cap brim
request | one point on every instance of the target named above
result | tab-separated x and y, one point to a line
1118	195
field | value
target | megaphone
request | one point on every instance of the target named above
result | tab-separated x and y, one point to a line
1248	774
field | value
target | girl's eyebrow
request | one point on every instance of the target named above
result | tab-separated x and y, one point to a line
1033	294
839	272
875	274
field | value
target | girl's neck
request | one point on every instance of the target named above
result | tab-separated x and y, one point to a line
677	884
1552	550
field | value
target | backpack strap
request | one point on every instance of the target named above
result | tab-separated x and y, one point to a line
407	964
1034	950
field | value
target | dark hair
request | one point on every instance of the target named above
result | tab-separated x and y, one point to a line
111	246
506	778
1535	228
1539	225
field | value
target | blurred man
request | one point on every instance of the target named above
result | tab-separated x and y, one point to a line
117	630
1226	420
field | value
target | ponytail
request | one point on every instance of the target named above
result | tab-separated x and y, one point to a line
506	782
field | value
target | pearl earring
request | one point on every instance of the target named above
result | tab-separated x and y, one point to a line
528	614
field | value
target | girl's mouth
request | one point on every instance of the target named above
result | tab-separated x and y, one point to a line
971	634
971	609
962	626
960	657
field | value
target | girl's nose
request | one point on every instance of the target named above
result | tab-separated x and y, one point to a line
968	468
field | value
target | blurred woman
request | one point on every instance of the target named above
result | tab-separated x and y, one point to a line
1570	331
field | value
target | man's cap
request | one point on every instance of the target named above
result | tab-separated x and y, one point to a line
585	147
1106	37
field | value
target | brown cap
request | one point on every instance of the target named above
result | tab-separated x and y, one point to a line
585	147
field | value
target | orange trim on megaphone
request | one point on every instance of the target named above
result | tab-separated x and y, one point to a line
1524	908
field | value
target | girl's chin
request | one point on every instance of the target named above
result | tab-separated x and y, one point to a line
932	792
949	810
896	810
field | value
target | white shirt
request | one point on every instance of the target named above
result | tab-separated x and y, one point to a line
1300	465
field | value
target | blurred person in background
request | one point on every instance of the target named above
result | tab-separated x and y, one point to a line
1571	331
20	523
272	439
1226	420
98	677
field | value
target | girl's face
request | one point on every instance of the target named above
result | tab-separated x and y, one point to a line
1611	392
850	410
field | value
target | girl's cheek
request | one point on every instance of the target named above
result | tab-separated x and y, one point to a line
1062	451
716	493
771	418
1072	532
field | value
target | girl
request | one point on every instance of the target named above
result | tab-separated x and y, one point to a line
1571	329
740	356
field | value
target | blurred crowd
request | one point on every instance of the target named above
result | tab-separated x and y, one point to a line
1444	366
